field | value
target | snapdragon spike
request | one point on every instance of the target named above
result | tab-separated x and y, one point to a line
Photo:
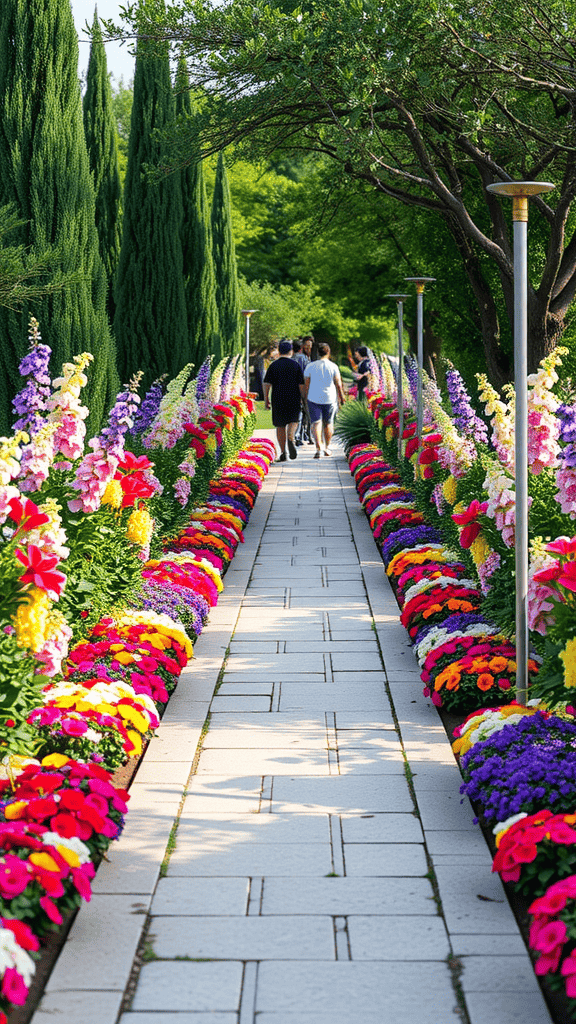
30	403
465	419
146	414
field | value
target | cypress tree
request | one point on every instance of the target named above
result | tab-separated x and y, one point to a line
150	321
44	173
199	276
227	293
102	142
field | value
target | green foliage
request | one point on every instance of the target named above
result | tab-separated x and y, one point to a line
102	143
353	424
103	570
150	323
44	173
20	692
225	268
122	97
197	254
283	310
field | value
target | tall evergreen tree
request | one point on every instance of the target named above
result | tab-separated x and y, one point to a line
102	142
44	173
227	294
199	276
150	321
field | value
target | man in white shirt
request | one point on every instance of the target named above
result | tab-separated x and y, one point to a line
324	393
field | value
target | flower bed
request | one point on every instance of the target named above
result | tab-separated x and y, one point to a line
107	577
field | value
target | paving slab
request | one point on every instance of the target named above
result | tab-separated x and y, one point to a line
393	989
181	985
243	938
398	938
341	896
204	897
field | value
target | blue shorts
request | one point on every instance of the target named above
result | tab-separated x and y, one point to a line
325	412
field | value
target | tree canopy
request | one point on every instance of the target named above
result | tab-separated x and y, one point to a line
424	102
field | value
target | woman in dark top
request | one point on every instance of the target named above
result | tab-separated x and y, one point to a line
286	380
362	369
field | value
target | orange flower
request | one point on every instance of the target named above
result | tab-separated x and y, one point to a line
498	664
431	610
485	681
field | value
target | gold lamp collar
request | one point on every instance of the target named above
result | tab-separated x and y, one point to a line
520	192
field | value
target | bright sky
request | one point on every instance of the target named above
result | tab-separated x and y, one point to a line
120	62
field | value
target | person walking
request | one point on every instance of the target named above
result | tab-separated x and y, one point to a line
284	377
361	374
324	393
303	429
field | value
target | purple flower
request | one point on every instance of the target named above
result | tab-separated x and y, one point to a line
457	623
120	420
30	403
523	767
148	410
465	419
202	379
408	537
412	375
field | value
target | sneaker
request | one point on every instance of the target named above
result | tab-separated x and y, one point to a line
292	449
282	457
316	455
327	451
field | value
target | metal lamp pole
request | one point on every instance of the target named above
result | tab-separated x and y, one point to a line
520	191
420	283
247	313
400	303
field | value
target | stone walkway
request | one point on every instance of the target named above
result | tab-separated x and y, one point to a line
322	869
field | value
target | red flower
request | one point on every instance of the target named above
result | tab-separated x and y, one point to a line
26	514
469	520
40	570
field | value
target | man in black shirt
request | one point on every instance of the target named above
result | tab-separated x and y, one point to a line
286	380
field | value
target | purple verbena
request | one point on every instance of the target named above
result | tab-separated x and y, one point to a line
408	537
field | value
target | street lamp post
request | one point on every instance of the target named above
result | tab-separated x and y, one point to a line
420	284
400	303
247	313
520	191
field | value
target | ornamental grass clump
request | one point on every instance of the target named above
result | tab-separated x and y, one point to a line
522	768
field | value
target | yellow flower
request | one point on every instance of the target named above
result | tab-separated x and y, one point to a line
71	858
44	861
568	656
479	549
449	489
137	719
14	811
140	527
31	620
211	444
136	741
113	494
55	760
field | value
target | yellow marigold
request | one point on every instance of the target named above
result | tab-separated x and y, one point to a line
113	494
140	527
568	656
31	620
449	490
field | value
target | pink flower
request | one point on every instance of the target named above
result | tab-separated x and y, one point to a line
50	909
13	987
550	936
14	876
568	971
563	546
74	727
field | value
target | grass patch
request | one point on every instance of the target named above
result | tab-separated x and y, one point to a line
263	417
